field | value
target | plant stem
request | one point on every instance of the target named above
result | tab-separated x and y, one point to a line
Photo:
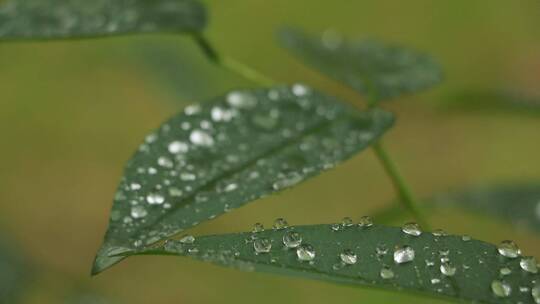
405	195
229	63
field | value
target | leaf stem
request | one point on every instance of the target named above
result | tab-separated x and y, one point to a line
229	63
405	194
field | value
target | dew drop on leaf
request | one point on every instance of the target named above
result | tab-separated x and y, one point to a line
501	289
348	257
155	199
535	292
465	238
505	271
346	222
365	222
187	239
305	253
292	239
177	147
411	229
386	273
138	212
201	138
262	245
257	227
403	255
509	249
280	223
448	269
529	264
439	232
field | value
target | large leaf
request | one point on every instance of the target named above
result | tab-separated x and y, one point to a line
368	66
516	203
376	256
219	155
57	19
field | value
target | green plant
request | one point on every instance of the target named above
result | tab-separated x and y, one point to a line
221	154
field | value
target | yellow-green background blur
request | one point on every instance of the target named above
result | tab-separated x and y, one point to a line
71	114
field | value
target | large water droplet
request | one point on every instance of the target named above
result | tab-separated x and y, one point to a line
448	269
292	239
346	222
529	264
262	245
348	257
300	90
403	255
387	273
138	212
155	199
280	223
201	138
305	253
501	289
365	222
411	229
509	249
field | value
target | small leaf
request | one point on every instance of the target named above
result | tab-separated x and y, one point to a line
516	203
220	155
368	66
377	256
59	19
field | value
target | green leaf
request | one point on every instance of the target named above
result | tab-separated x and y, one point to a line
60	19
368	66
516	203
375	256
220	155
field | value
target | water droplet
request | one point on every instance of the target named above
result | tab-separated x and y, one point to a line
257	227
535	292
187	239
465	238
241	100
262	245
305	253
300	90
348	257
335	227
346	222
134	186
138	212
201	138
529	264
501	289
439	232
292	239
381	251
176	147
403	255
365	222
221	114
448	269
231	187
435	281
280	223
411	229
155	199
288	181
509	249
386	273
175	192
505	271
192	109
165	162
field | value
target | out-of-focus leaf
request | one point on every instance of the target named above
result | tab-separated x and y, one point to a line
495	100
15	274
60	19
220	155
368	66
377	256
516	203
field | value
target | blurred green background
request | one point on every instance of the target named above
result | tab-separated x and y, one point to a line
71	114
